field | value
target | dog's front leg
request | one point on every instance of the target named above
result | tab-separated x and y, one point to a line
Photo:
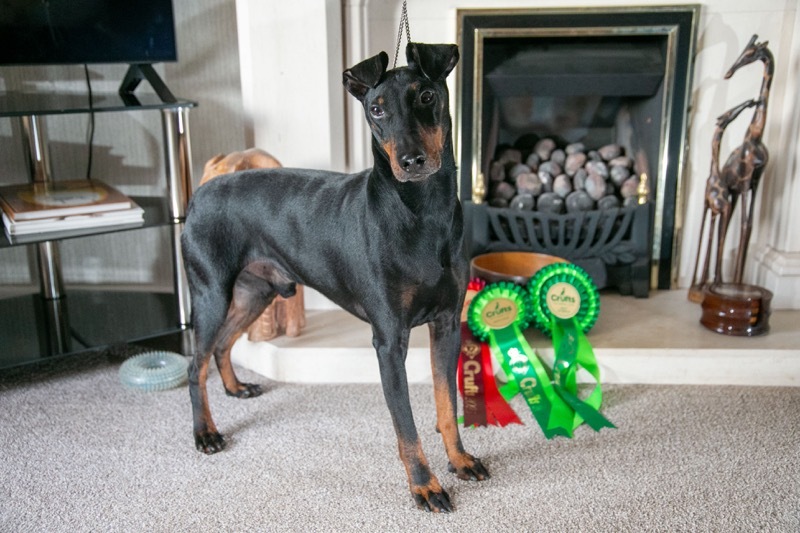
445	334
391	348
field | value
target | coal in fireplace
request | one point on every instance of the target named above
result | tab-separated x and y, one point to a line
572	131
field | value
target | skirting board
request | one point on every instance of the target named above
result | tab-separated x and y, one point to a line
780	273
657	340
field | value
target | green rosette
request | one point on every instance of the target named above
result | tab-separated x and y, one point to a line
482	330
496	306
497	315
563	290
566	304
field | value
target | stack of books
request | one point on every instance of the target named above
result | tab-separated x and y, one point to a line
45	207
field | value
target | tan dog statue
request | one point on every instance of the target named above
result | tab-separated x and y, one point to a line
284	315
225	164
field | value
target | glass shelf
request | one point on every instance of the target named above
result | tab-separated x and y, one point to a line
89	319
156	213
18	104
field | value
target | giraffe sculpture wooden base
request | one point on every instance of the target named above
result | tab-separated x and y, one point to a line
736	309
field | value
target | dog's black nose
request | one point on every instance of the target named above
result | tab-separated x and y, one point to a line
412	162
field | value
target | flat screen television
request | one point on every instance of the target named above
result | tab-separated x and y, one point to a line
53	32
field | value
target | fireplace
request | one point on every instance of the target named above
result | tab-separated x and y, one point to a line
610	85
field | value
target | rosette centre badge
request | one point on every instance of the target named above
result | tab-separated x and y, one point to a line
563	300
500	313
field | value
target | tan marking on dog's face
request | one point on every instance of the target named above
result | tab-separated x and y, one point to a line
433	142
390	149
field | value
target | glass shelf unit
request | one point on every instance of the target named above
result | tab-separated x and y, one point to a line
61	320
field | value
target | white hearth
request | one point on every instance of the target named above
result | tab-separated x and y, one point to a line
657	340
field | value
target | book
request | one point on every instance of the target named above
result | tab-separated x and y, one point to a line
132	215
49	200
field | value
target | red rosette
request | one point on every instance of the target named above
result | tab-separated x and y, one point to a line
476	284
483	403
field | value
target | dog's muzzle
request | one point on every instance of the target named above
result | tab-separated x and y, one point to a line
412	161
414	167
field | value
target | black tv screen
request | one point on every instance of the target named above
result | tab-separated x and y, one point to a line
51	32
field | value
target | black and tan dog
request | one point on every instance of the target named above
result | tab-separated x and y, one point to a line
385	244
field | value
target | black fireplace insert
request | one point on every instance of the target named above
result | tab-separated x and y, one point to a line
572	126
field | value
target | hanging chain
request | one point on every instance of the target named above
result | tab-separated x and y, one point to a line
403	24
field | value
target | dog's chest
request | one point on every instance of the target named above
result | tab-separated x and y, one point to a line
433	288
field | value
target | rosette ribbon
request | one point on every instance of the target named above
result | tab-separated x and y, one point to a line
483	403
565	305
497	315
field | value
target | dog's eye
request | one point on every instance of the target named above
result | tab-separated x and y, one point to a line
376	111
426	97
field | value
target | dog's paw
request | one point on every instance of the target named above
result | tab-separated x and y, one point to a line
432	499
246	390
209	442
473	470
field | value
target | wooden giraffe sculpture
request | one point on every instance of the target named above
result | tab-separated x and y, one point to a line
744	167
716	210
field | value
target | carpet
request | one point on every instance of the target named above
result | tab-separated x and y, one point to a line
82	453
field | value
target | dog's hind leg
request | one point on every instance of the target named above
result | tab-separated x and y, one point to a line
425	488
255	288
208	313
445	337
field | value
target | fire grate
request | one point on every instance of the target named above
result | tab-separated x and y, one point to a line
612	245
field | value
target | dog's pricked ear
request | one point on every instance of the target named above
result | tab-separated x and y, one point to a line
366	75
435	61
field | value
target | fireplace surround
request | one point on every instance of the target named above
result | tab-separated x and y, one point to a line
593	76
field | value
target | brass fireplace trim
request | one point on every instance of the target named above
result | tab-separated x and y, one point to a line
670	31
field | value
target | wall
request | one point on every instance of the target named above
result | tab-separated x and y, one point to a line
291	63
127	146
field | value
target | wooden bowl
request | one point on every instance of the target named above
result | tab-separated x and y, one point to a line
517	267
